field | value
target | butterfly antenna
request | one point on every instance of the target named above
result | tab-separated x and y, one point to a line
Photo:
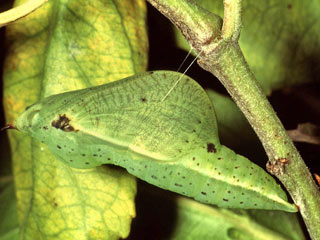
181	76
184	60
9	126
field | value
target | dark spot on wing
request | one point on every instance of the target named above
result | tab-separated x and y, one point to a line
211	148
143	99
63	123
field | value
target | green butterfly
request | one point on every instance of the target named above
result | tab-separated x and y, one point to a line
170	142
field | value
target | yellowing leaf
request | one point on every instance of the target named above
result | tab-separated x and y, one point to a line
67	45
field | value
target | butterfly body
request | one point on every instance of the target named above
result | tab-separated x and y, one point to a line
172	144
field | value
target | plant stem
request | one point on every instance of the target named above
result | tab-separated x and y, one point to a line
231	20
230	67
221	55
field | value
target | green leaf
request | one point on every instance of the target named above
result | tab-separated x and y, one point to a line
218	223
279	40
67	45
282	222
9	227
169	216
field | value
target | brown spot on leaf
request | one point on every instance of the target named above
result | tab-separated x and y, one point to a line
63	123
